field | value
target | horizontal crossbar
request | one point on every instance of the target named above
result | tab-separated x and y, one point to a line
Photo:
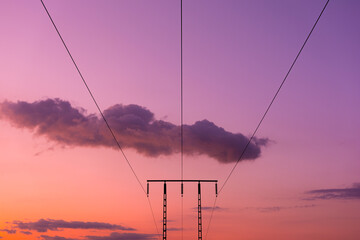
182	180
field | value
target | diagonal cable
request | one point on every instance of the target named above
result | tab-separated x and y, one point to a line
273	99
99	109
267	109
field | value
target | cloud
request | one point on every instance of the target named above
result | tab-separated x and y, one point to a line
8	231
43	225
112	236
270	209
278	208
46	237
174	229
352	192
203	208
45	150
121	236
57	225
134	126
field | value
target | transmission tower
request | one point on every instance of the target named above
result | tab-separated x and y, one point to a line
182	192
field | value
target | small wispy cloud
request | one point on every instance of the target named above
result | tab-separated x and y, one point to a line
44	225
174	229
352	192
271	209
26	232
8	231
111	236
279	208
45	150
205	208
46	237
122	236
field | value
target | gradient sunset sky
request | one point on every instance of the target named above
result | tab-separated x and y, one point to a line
61	178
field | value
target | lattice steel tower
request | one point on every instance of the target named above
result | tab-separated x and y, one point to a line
182	192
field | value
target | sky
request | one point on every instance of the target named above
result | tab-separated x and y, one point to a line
63	178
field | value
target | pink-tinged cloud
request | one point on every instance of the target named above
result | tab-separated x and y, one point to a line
134	126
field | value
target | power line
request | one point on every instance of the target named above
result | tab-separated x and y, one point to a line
153	216
211	216
181	93
273	99
182	118
268	108
99	109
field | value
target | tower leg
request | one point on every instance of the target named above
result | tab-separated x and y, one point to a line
164	213
199	214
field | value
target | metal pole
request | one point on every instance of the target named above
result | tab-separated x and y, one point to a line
147	190
199	213
164	213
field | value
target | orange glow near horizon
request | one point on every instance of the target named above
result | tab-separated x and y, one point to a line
61	178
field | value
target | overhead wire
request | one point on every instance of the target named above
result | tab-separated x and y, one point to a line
182	118
101	113
265	113
182	143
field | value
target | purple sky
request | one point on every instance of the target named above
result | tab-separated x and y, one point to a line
236	54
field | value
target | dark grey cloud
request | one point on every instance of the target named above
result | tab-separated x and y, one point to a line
8	231
43	225
122	236
134	126
352	192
